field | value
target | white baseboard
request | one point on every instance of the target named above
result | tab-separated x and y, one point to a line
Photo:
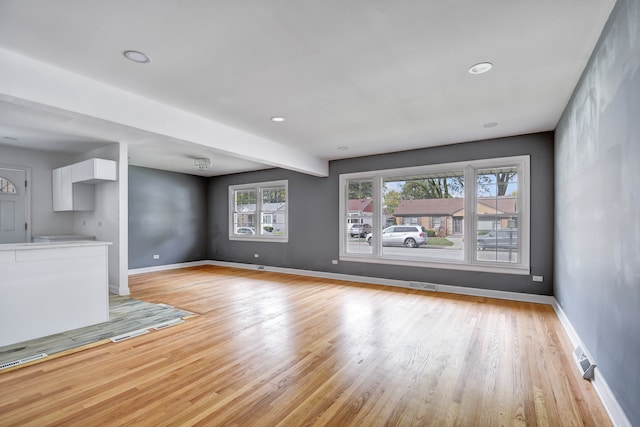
611	405
156	268
512	296
609	401
117	291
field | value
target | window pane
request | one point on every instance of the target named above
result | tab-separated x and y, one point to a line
497	215
244	218
245	200
499	244
430	209
360	208
495	184
7	187
273	207
245	223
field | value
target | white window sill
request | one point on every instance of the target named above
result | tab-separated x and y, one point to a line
482	267
261	239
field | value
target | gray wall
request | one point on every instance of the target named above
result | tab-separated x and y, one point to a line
167	216
314	219
598	207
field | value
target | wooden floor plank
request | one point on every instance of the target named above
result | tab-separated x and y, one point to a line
268	349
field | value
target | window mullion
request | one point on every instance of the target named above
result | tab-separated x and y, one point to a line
377	216
470	205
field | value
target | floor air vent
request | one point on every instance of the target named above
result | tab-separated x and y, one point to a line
128	335
585	364
22	361
167	324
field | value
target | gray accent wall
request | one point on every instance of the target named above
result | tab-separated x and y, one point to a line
314	217
597	212
167	216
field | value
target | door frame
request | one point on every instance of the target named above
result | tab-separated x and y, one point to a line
27	194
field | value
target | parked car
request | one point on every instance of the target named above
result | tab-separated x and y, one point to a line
360	230
245	230
499	239
411	236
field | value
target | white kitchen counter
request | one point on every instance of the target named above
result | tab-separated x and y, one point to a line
52	244
46	288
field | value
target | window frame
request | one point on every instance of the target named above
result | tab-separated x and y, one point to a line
470	260
258	237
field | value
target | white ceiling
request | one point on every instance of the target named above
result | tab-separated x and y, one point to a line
369	76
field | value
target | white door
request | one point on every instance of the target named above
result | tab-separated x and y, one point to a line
13	205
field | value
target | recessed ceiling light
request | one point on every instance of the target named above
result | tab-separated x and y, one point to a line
481	67
277	119
490	125
343	147
136	56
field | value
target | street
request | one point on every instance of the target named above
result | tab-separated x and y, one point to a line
435	253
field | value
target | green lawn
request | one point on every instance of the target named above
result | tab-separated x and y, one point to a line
439	241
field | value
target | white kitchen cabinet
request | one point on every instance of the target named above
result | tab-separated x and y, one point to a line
68	196
73	185
93	171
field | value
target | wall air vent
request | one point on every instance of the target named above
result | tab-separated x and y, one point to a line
584	363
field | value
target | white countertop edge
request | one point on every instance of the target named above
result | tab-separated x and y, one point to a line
51	245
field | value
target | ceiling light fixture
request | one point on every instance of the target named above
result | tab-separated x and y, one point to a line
481	68
490	125
202	163
136	56
278	119
343	147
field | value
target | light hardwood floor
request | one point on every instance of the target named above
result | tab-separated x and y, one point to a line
268	349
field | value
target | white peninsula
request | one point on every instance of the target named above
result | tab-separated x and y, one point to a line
47	288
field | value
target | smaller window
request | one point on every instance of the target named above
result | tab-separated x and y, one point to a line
7	187
259	211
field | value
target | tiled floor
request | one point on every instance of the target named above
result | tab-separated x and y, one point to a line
126	315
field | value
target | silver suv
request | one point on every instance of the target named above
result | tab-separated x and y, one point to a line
410	236
360	230
499	239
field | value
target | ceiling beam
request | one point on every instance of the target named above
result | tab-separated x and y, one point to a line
26	81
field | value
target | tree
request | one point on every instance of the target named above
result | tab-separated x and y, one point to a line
432	188
502	181
391	201
245	197
360	189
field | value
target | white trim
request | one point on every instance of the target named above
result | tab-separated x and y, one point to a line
470	261
616	413
485	268
608	399
599	383
258	237
165	267
489	293
27	195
